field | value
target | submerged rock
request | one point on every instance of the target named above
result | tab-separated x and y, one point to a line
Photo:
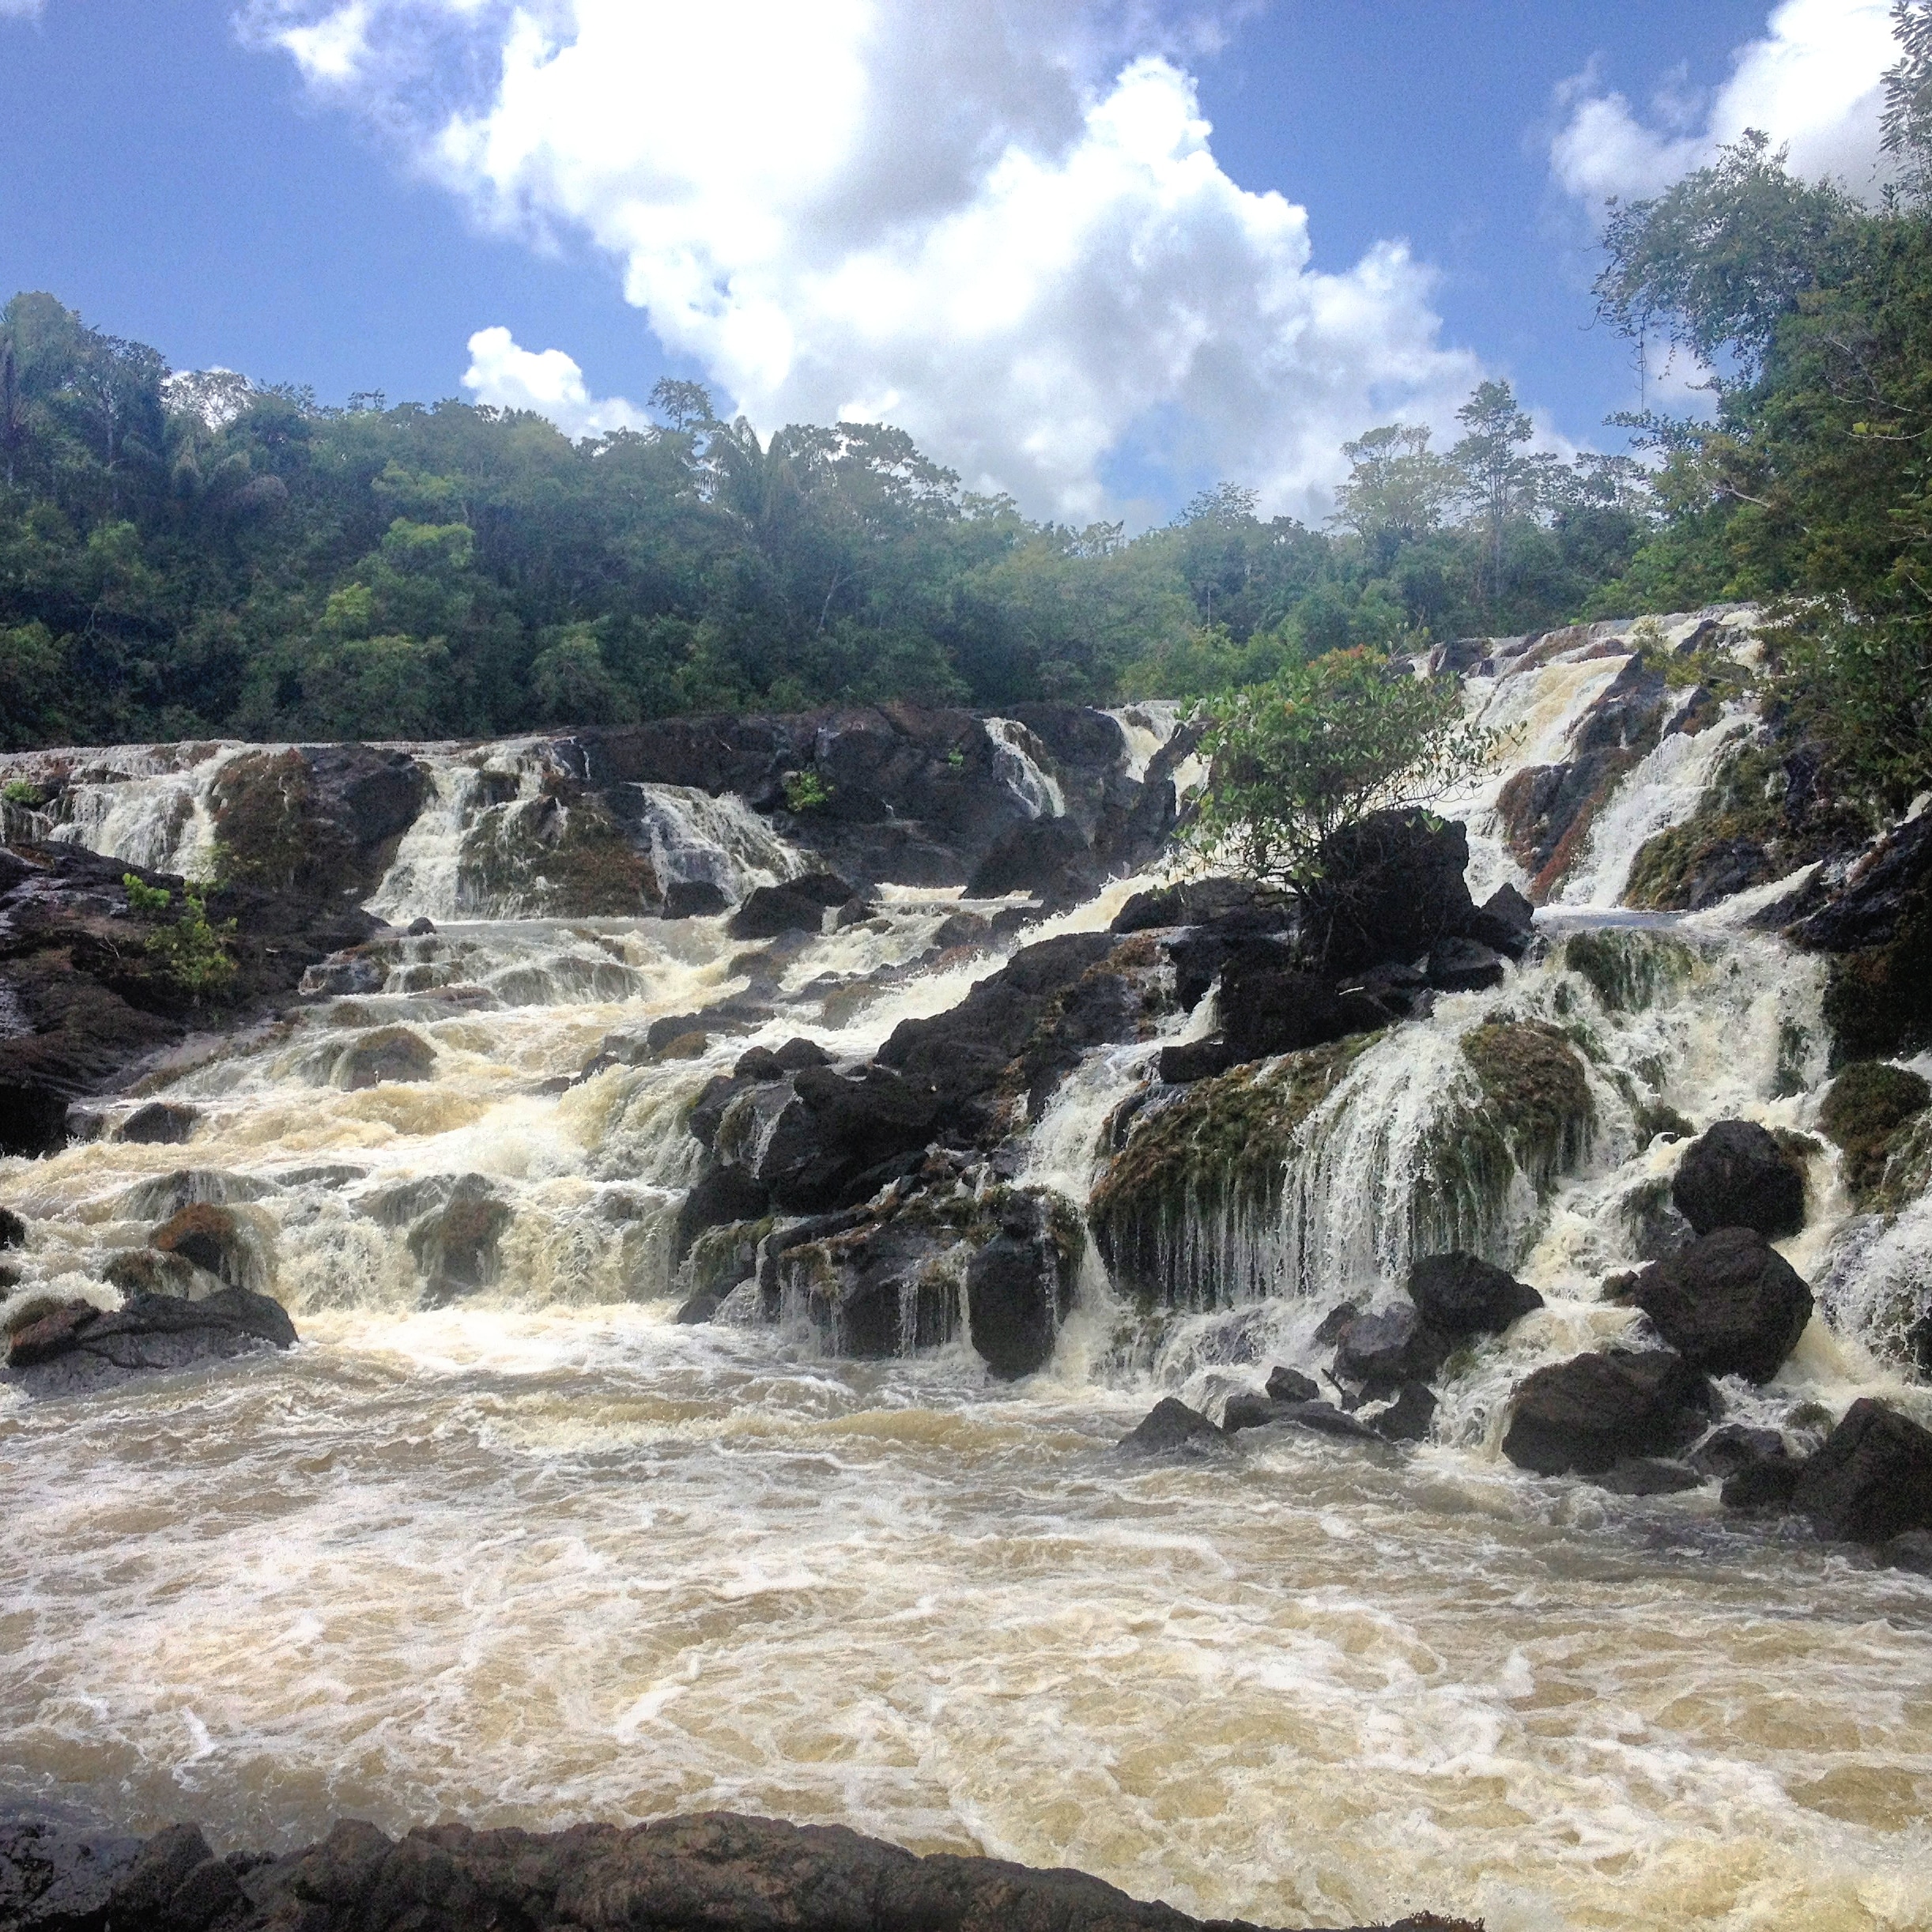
797	905
1734	1175
1409	1417
1871	1480
1730	1304
1381	1352
215	1239
1648	1476
387	1052
1592	1411
79	1348
161	1123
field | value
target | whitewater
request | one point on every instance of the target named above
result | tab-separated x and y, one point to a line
544	1554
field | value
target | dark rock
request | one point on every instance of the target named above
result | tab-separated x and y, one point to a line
59	1869
1594	1410
1246	1409
1767	1484
33	1120
1268	1006
1912	1551
1867	1104
1462	1294
1196	902
1392	886
1734	1447
1884	892
1380	1352
149	1333
1325	1419
1330	1329
49	1334
13	1229
725	1194
387	1052
161	1123
1409	1417
1019	1289
1463	966
1289	1385
1048	858
1730	1303
963	929
763	1063
1505	920
213	1239
1871	1480
420	928
1196	1060
694	898
456	1245
1171	1424
812	1141
797	905
699	1309
1734	1175
1648	1476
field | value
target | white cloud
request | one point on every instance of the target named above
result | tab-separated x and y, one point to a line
547	381
22	10
999	223
1811	83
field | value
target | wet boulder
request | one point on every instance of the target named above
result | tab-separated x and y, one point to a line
387	1053
694	898
1171	1424
456	1245
1409	1417
1871	1479
1867	1104
796	906
1640	1475
1290	1385
1270	1006
1589	1414
1325	1419
33	1119
1020	1286
165	1123
13	1229
1505	921
1734	1175
1201	902
1047	858
1391	888
1379	1353
1190	1060
1462	1294
723	1195
1766	1482
79	1348
1733	1447
814	1141
215	1240
1458	965
1730	1304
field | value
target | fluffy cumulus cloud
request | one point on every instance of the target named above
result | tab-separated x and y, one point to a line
1811	82
999	223
547	381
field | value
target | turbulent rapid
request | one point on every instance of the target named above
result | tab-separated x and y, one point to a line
502	1538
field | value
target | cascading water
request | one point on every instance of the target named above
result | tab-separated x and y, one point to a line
1018	757
510	1544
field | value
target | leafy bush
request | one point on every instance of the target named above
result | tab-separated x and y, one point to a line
1318	748
22	792
190	950
805	792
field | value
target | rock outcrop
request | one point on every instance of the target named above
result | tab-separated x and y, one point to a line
1871	1479
1587	1414
716	1870
77	1347
1735	1174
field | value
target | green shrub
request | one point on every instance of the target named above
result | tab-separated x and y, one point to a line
190	951
805	792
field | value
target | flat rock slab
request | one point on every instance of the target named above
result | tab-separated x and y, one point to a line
717	1870
77	1347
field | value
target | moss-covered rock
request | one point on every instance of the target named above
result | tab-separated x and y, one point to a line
1626	968
1218	1149
1878	1000
1867	1105
1538	1093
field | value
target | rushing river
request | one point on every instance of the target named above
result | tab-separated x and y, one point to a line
543	1555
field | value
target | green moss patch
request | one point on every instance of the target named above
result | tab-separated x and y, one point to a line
1867	1105
1537	1092
1627	969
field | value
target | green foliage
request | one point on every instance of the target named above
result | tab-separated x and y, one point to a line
805	792
190	555
1318	748
21	791
190	951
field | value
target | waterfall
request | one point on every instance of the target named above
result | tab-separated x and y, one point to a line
696	839
1016	754
149	806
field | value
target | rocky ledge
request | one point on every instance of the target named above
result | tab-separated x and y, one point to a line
716	1872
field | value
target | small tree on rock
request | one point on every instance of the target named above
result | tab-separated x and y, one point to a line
1318	749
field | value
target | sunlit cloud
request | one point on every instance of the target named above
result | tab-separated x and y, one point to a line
547	381
1002	225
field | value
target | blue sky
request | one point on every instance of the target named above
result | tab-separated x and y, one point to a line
1063	285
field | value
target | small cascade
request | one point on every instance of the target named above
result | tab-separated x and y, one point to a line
458	859
699	839
1146	727
1017	753
147	807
